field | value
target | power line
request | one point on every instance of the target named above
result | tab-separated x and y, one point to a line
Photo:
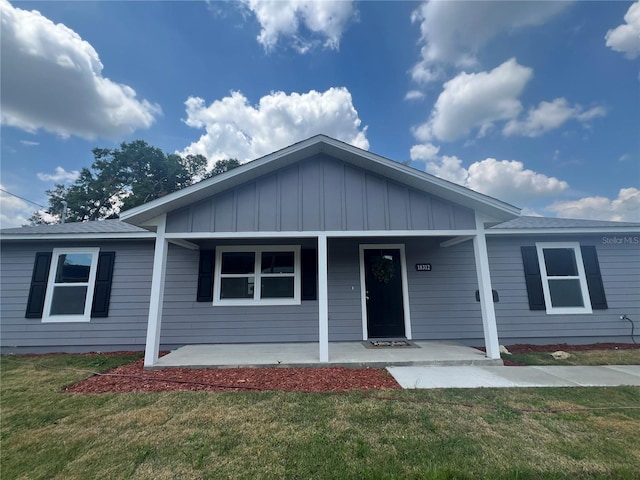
21	198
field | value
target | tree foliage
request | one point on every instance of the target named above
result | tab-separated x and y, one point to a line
123	178
222	166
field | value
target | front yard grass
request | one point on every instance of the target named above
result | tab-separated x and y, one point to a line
584	357
477	433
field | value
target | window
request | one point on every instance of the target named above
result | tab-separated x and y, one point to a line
564	283
70	285
265	274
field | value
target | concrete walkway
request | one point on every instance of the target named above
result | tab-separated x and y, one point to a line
502	377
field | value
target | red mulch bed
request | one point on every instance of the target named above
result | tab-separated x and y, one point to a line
133	378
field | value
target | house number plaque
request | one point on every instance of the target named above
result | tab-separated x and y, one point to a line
423	267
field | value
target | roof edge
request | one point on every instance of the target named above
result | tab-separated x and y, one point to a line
78	236
564	230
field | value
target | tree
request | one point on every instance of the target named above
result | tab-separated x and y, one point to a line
123	178
222	166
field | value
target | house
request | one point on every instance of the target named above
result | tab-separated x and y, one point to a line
317	242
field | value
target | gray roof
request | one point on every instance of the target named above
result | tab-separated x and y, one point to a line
525	222
100	226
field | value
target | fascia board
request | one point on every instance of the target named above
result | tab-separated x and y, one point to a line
314	234
77	236
561	231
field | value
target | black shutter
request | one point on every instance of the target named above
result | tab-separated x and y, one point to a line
205	276
35	304
309	263
594	279
102	289
532	278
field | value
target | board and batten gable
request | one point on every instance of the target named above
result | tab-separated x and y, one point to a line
620	271
125	326
320	193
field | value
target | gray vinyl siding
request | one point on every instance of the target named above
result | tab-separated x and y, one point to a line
124	328
620	269
443	303
320	194
186	321
345	307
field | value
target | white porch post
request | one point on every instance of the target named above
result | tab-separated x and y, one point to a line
484	287
323	299
157	295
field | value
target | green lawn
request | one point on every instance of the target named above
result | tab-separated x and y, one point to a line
586	357
482	433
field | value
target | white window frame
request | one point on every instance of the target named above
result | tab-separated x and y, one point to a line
51	286
586	300
257	250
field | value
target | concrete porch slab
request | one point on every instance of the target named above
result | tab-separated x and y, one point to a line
353	354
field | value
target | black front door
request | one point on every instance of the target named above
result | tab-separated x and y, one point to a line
383	286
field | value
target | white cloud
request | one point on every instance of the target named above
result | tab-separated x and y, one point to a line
14	212
423	72
449	168
506	180
510	181
423	152
476	100
236	129
453	32
624	208
550	115
52	79
626	37
414	95
60	176
326	20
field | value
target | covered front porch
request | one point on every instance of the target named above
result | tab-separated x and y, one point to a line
327	329
350	354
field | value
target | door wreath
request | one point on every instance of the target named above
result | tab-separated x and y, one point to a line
382	269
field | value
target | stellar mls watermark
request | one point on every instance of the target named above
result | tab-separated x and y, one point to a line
630	240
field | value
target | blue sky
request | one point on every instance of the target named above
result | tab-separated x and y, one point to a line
535	103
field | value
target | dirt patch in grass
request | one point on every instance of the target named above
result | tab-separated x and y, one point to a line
133	378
